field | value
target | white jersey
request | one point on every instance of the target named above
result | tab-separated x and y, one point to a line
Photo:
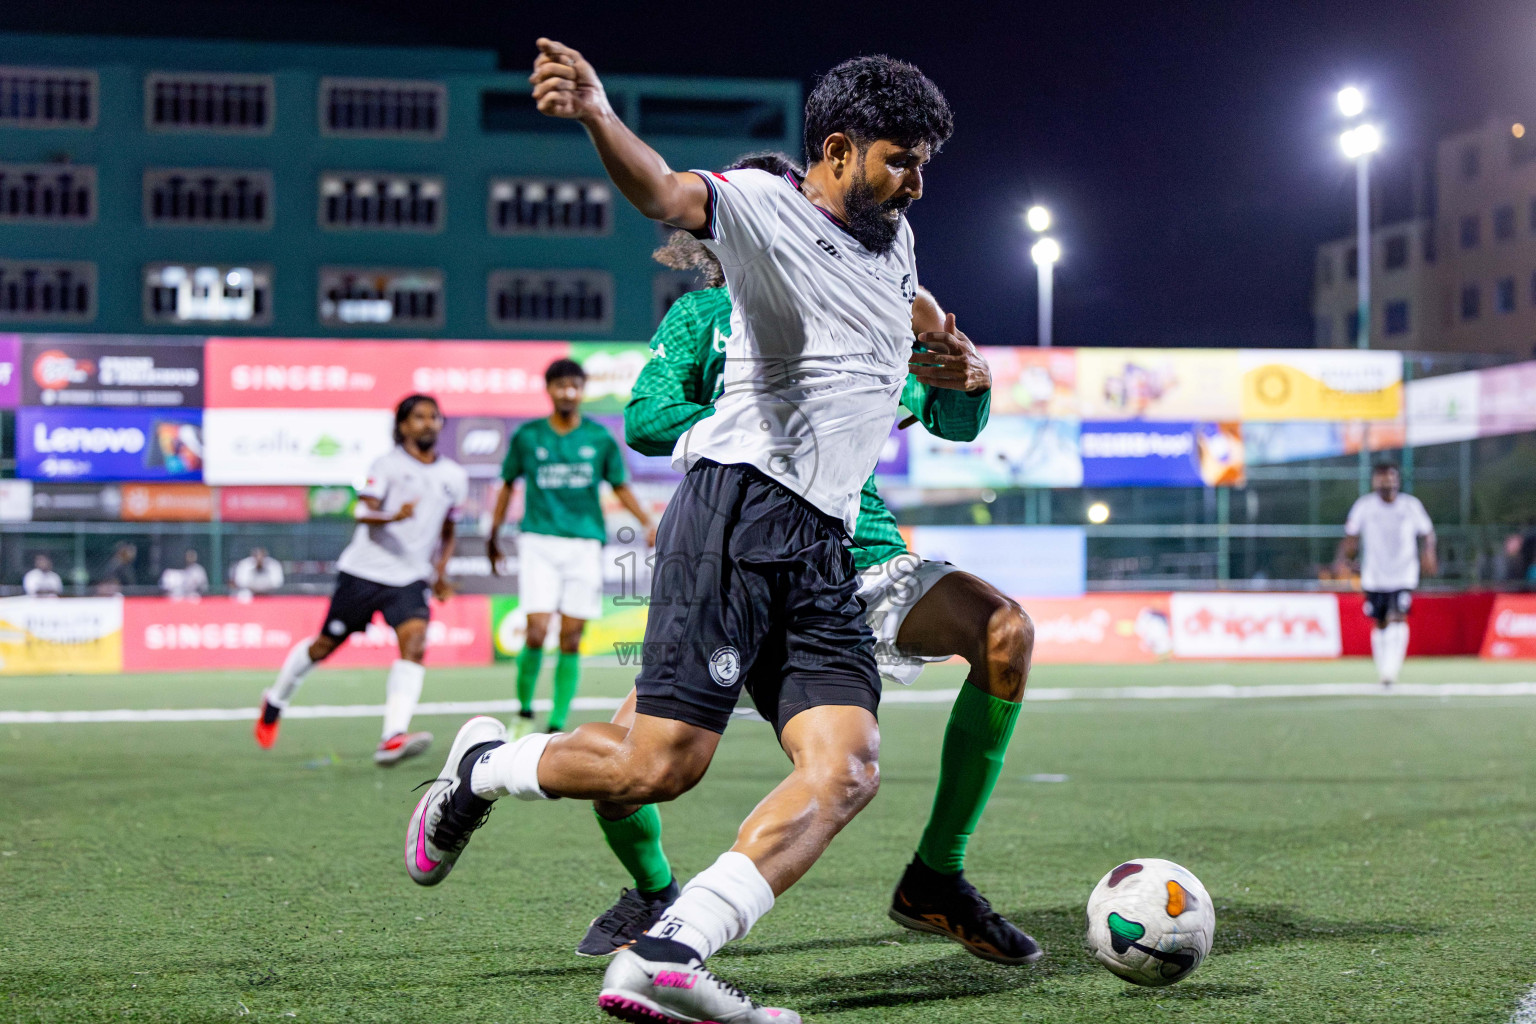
42	583
400	553
263	579
821	331
1389	533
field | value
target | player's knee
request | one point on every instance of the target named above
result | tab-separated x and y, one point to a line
662	777
1010	645
534	638
849	785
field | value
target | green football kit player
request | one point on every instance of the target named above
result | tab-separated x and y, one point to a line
562	459
918	610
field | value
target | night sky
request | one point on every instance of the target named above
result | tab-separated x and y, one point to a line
1187	150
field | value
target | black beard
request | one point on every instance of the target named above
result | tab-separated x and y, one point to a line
426	444
868	220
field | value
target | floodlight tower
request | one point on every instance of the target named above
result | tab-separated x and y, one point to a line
1045	253
1358	143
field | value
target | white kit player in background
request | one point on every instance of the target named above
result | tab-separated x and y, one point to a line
398	558
1398	541
41	580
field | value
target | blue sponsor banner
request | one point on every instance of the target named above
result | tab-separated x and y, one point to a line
1021	561
1147	454
109	444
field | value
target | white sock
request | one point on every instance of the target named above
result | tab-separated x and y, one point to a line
402	690
719	904
1380	644
1397	637
295	667
512	769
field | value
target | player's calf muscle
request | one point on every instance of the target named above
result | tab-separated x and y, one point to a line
1010	643
605	763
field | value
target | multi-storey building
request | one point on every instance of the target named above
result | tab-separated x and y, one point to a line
174	186
1461	279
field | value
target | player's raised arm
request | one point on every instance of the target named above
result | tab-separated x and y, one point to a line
566	85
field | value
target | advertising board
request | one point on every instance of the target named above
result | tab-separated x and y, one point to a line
109	444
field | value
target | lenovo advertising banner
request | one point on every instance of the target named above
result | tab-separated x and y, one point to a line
1255	625
469	378
298	446
109	444
1119	454
68	369
159	635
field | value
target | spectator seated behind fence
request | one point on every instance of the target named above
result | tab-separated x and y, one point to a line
256	575
41	580
120	572
187	583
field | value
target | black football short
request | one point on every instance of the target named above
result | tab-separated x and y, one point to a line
356	599
1379	604
753	588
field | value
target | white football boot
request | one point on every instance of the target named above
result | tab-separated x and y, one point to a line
654	992
440	826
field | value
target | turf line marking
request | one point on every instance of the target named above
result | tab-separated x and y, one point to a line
1525	1013
891	696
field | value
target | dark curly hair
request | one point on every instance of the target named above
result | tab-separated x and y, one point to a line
404	409
873	98
682	251
563	368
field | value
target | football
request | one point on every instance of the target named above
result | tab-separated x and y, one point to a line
1150	922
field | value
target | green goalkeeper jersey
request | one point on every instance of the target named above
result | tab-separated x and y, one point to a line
561	473
678	387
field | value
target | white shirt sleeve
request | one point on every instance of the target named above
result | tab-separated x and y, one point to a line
1422	526
743	213
1356	518
378	479
196	579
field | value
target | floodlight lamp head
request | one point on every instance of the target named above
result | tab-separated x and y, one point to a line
1351	101
1045	252
1038	218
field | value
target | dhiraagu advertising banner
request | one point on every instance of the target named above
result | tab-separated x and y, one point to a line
61	635
1315	384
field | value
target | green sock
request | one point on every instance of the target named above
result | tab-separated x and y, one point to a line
636	841
528	662
567	675
975	743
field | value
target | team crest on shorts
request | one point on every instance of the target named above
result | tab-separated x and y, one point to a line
336	627
725	666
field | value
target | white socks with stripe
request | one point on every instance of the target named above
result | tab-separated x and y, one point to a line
402	691
512	769
1389	649
295	667
719	904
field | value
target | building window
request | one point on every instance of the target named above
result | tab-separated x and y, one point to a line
47	97
1396	255
1504	223
179	293
212	197
1471	302
712	118
1352	262
1471	231
405	297
1395	317
549	206
47	290
382	108
381	202
1471	162
47	194
1505	295
538	300
222	103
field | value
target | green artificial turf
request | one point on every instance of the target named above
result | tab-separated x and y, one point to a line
1370	860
